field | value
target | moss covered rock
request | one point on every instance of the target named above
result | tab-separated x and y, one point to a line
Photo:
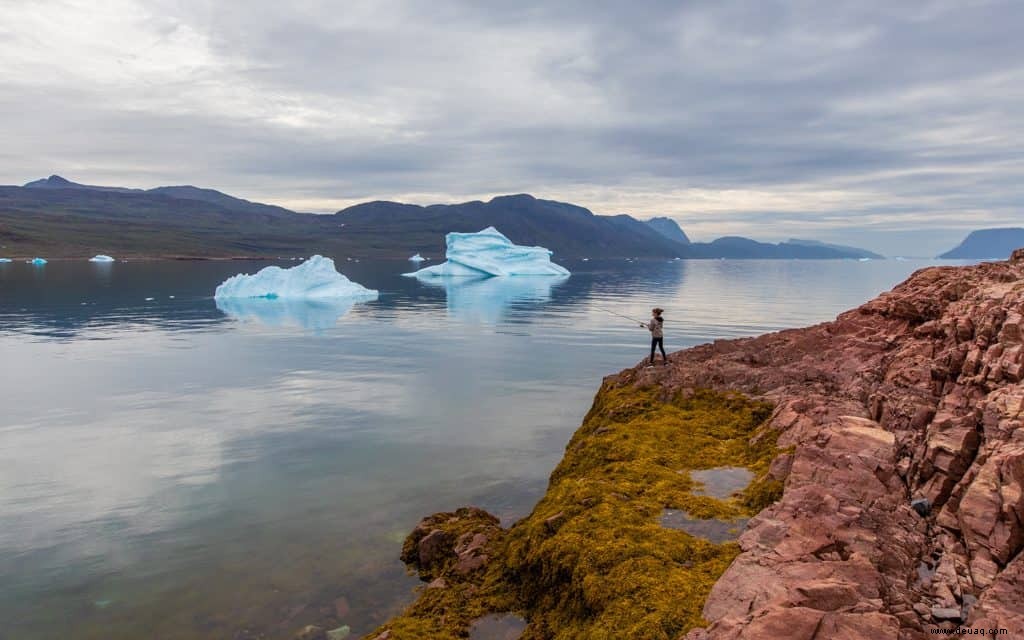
592	560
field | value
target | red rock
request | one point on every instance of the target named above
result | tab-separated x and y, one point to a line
915	394
434	547
341	607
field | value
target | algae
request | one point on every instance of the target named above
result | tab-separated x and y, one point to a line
592	560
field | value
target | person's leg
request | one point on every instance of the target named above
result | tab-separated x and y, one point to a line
654	342
661	345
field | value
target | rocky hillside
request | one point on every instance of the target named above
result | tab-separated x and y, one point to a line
903	507
888	490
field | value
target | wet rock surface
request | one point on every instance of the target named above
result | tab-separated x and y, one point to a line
497	626
903	508
711	529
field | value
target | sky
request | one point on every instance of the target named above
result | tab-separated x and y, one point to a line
895	125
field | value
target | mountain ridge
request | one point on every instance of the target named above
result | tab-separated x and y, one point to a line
60	218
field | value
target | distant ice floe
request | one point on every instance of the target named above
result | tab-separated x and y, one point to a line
489	253
417	258
101	258
315	278
313	295
38	261
3	260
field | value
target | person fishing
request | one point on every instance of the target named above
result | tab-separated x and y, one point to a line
657	334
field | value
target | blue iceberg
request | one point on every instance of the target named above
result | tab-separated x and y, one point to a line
2	260
489	253
38	261
101	258
314	279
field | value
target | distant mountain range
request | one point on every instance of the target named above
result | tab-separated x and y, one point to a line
988	243
57	218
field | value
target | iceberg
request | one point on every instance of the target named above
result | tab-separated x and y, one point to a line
314	279
489	253
101	258
417	258
38	261
2	260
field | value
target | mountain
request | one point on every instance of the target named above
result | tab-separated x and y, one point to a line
854	252
988	243
185	192
566	229
668	228
57	218
739	248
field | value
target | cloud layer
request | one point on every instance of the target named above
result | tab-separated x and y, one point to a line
770	118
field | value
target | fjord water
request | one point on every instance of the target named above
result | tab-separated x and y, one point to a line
173	470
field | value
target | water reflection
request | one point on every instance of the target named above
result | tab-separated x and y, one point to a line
488	299
313	315
164	474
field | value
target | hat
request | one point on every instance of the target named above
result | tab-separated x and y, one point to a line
657	310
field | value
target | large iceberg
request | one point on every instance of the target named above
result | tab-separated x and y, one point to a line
489	253
101	258
314	279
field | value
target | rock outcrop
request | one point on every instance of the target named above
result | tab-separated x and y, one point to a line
915	397
889	502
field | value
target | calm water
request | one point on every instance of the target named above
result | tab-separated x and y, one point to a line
172	471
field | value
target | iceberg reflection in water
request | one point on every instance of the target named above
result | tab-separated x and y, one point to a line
486	299
314	314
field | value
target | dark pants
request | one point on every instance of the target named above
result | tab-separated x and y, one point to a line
659	343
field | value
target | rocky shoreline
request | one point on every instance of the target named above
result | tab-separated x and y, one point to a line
888	502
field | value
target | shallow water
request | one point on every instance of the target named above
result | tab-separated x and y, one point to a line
497	626
721	482
713	529
172	470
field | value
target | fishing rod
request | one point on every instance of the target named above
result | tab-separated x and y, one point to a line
621	316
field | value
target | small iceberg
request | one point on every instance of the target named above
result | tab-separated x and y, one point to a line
3	260
314	279
101	258
490	253
38	261
417	258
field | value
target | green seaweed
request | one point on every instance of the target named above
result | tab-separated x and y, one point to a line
592	560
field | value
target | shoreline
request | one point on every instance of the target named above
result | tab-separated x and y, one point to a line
859	495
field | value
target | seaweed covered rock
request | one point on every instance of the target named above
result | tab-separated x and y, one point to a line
593	559
447	543
888	451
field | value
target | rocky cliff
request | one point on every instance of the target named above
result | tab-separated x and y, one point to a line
912	400
889	490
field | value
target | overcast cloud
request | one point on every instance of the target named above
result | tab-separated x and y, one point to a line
770	119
